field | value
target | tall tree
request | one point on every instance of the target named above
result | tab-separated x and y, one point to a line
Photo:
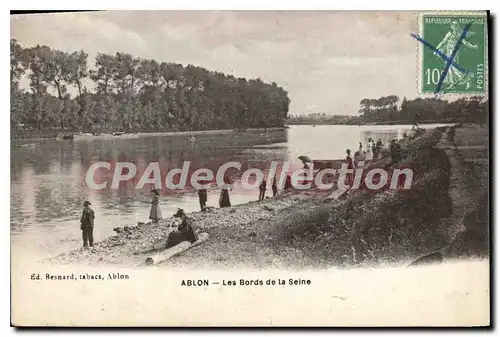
77	70
105	68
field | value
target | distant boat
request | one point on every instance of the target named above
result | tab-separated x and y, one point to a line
121	135
30	145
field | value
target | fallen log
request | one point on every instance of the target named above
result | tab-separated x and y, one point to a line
159	245
175	250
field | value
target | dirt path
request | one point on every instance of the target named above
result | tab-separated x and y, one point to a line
469	172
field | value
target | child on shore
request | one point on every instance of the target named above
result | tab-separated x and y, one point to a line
155	212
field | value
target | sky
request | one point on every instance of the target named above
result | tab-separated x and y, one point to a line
328	61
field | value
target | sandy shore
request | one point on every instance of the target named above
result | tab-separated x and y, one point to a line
128	246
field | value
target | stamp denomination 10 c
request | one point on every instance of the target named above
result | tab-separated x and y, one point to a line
453	54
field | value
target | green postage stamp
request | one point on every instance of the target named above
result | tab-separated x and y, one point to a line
453	53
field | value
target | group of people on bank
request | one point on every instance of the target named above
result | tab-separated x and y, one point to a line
185	231
372	153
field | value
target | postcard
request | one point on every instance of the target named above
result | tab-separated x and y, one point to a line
250	168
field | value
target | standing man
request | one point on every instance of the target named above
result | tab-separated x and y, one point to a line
350	165
275	188
87	224
202	196
262	190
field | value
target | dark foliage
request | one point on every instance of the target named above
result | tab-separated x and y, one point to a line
131	94
390	110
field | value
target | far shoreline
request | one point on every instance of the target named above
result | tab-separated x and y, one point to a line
52	134
399	123
26	134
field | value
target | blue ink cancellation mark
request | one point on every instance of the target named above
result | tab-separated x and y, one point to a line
449	59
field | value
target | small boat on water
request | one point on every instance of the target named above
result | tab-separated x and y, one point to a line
126	135
90	136
24	146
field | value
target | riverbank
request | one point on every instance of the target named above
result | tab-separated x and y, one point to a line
366	229
304	230
393	227
126	247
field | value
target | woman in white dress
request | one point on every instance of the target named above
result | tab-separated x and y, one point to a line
369	153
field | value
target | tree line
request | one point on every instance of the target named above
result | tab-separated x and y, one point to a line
391	110
131	94
419	110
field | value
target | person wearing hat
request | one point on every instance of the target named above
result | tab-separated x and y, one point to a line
155	213
87	224
350	166
185	231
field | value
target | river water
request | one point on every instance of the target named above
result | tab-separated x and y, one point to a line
48	177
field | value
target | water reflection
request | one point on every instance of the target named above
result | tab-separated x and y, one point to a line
48	179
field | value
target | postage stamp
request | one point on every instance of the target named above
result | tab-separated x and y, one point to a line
453	53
